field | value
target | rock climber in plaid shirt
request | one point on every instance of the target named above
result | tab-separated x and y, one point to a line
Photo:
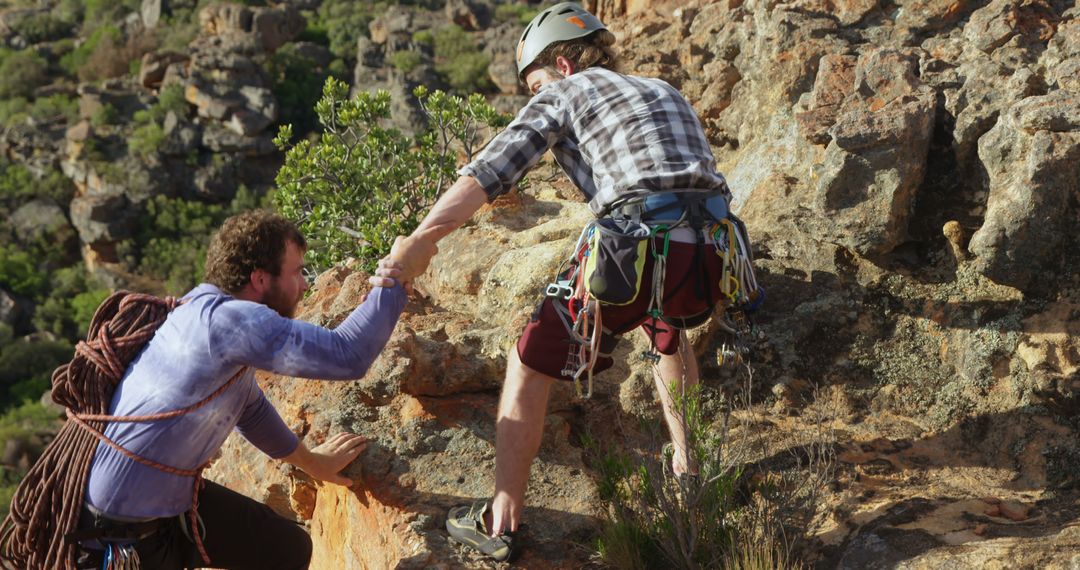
621	139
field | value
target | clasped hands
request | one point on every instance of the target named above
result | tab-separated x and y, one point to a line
409	258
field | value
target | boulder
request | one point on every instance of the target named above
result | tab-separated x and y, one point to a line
469	15
1030	159
38	219
397	20
154	66
220	139
101	218
867	182
255	28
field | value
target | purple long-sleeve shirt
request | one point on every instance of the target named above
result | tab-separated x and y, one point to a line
202	344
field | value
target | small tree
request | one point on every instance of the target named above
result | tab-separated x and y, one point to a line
361	184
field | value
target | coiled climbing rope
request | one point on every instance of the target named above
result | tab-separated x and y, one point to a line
49	500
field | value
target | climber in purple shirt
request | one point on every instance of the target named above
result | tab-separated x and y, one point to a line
238	321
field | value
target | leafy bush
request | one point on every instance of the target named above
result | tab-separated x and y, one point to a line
74	60
406	60
170	244
344	21
19	272
18	184
26	367
148	135
73	297
57	107
97	11
459	61
146	139
42	27
21	73
360	185
104	115
296	84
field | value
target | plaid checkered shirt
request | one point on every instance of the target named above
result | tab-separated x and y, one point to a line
616	136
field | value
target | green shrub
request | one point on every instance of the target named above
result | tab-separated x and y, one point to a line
146	139
296	84
360	184
76	59
26	366
459	61
19	272
104	115
18	184
406	60
54	107
148	135
96	11
22	73
423	37
170	244
42	27
344	21
115	57
73	297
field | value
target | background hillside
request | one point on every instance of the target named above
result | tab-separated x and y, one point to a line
907	168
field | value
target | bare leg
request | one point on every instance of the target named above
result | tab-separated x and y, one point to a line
518	431
680	369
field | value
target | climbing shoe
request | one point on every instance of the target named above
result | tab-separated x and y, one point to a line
466	525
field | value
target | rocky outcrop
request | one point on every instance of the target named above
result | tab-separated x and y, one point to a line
1030	159
251	28
908	174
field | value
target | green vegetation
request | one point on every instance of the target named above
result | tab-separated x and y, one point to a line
105	115
43	109
42	27
26	367
361	184
73	297
721	518
342	22
24	424
296	84
459	61
170	244
21	73
149	135
406	61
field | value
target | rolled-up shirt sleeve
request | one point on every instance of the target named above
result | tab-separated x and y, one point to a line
261	425
539	125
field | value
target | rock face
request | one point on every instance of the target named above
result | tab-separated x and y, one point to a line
908	173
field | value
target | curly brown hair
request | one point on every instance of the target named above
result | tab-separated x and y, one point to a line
252	240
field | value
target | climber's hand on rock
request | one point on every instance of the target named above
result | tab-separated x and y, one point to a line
326	461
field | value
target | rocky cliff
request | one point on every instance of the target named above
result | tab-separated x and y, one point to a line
908	171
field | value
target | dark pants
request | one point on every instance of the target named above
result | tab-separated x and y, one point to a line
241	533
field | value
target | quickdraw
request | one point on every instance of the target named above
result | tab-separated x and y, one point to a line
740	287
121	557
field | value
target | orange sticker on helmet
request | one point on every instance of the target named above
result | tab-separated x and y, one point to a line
576	21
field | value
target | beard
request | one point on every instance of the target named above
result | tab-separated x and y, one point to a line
279	300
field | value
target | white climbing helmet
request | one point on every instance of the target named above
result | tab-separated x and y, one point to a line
561	22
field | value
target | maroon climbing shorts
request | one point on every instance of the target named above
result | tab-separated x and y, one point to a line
691	288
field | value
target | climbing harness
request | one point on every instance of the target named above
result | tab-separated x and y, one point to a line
607	265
